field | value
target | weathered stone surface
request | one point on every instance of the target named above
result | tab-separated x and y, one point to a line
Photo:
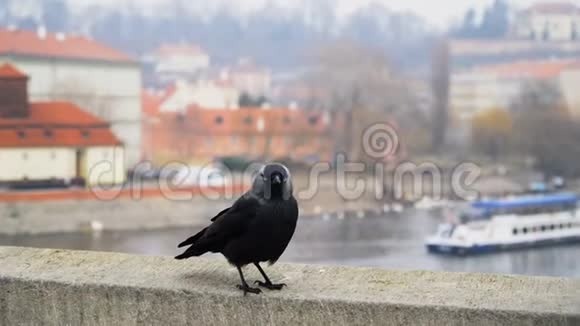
58	287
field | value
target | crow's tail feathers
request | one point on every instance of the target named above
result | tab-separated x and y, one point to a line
194	250
192	239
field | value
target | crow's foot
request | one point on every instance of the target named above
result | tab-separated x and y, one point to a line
246	289
270	285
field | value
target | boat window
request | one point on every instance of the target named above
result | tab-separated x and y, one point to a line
515	231
543	228
552	227
525	230
569	224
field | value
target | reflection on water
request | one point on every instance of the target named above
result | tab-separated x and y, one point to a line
393	242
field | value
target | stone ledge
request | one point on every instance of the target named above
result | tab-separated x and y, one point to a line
55	287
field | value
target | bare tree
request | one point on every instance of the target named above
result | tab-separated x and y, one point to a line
440	88
545	130
361	83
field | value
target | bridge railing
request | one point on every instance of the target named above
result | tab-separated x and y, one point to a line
58	287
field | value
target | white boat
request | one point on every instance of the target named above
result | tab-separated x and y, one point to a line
503	224
427	203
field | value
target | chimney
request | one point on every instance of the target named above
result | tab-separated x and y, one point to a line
41	32
61	37
13	93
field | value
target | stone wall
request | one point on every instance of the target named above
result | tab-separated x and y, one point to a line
60	287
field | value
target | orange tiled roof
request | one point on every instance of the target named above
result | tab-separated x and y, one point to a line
56	124
530	69
150	102
55	114
22	42
9	71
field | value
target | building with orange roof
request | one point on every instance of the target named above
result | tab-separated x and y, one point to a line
497	86
53	140
203	134
77	69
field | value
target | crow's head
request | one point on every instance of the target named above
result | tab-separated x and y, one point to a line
273	181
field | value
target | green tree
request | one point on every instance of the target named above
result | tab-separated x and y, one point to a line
491	132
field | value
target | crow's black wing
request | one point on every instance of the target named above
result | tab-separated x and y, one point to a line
220	214
227	225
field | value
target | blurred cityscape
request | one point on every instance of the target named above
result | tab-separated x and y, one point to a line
99	98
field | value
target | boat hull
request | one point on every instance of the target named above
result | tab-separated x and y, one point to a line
455	250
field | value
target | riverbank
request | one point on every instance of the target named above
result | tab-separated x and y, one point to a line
38	212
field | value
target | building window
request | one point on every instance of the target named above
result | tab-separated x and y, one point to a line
313	120
21	134
248	120
287	120
85	133
219	120
48	133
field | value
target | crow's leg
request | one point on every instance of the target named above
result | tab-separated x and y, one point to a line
268	284
244	286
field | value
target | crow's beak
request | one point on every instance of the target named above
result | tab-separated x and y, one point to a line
276	180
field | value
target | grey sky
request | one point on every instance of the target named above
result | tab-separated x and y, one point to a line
438	12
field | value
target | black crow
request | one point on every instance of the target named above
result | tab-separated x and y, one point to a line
257	228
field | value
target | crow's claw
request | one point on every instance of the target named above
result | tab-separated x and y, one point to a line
247	289
271	286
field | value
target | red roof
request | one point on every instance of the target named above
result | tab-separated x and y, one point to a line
56	124
531	69
22	42
55	113
9	71
150	102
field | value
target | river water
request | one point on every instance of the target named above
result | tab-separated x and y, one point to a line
393	241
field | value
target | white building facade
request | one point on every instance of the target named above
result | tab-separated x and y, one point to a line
101	80
549	21
205	94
